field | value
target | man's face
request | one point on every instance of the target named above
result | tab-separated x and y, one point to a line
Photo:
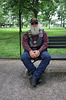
34	24
34	27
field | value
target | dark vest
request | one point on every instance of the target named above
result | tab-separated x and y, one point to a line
39	40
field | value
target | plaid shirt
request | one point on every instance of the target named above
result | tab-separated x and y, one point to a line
26	45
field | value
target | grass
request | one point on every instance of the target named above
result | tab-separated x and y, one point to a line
56	31
9	47
9	41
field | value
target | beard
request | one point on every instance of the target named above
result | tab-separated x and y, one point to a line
35	30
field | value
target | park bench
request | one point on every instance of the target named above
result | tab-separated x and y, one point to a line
56	42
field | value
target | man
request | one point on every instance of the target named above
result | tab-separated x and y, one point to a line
35	44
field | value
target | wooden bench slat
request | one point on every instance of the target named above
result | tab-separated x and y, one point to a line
57	43
55	40
58	57
56	46
57	37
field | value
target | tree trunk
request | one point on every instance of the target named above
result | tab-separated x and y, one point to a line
35	13
46	24
49	23
35	10
20	30
61	21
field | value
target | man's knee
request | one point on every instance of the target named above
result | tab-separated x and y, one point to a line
49	57
24	57
46	55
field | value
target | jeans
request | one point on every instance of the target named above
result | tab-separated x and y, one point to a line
36	72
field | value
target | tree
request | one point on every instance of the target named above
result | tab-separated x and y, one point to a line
49	10
16	6
33	6
2	18
61	12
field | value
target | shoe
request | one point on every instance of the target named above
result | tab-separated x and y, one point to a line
40	80
27	72
33	81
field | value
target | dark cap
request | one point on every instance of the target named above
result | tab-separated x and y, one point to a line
34	20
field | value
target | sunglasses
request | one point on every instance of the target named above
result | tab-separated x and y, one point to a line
34	23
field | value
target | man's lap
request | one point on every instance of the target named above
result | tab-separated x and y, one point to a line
26	55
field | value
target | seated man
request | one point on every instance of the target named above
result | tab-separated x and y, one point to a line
35	44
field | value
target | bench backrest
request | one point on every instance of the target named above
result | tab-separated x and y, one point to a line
57	42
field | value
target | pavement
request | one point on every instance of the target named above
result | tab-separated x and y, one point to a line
14	83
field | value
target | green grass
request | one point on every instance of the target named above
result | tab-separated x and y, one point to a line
9	47
56	31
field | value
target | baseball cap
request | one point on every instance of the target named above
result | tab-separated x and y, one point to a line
34	20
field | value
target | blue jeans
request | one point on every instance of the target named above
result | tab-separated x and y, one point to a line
36	72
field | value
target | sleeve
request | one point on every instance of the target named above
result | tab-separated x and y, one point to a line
45	42
25	42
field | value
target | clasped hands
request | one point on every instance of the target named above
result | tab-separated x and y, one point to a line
34	54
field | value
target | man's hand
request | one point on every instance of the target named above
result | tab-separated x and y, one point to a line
34	53
37	53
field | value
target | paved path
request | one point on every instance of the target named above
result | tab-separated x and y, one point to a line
14	84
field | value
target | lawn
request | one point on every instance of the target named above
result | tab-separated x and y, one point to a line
9	41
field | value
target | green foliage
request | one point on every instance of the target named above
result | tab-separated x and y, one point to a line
29	9
48	9
2	18
62	12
